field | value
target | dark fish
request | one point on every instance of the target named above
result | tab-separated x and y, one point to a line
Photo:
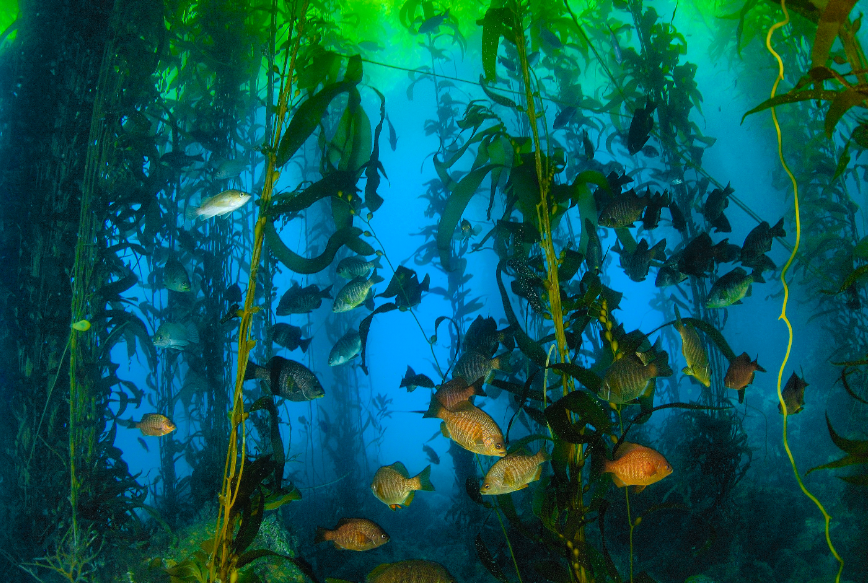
454	393
175	276
357	266
697	257
513	472
679	223
758	264
433	23
729	289
594	252
740	374
794	395
353	534
483	336
564	117
473	365
713	207
628	377
301	300
233	294
432	455
393	135
694	352
623	210
412	380
465	231
225	169
178	159
651	216
759	241
637	465
669	273
393	486
636	264
346	348
289	337
587	145
550	38
286	378
155	425
233	312
508	65
415	571
470	427
641	127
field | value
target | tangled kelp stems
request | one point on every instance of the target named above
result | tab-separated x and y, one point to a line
827	518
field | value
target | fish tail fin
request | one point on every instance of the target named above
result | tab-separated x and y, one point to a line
434	410
659	248
322	535
192	333
758	367
741	397
423	480
477	388
662	364
778	229
192	213
757	275
304	343
542	455
325	293
254	371
376	278
369	300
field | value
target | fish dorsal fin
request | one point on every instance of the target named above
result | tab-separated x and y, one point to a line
625	448
343	521
399	467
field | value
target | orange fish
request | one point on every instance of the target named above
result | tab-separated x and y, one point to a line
451	394
416	571
740	374
637	465
794	395
470	427
513	472
394	486
353	534
155	424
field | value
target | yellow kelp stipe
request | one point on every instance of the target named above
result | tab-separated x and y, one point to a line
783	315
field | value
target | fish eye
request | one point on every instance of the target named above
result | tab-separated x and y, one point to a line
486	486
498	446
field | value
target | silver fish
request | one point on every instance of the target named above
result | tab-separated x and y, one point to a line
346	348
176	336
218	205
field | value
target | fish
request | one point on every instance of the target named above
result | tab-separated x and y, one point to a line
628	377
730	288
226	169
218	205
549	37
594	251
483	336
758	264
641	127
713	207
155	424
509	65
413	571
619	56
564	117
357	266
472	365
513	472
694	353
393	135
637	263
353	534
178	159
302	300
412	380
454	393
794	395
698	256
679	223
346	348
669	274
289	337
433	23
465	231
233	312
355	293
176	336
393	486
470	427
636	465
740	374
623	210
233	294
587	145
432	455
286	378
759	240
175	277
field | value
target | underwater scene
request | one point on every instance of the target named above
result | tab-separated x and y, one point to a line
352	291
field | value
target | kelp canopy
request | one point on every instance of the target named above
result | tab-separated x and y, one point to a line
190	182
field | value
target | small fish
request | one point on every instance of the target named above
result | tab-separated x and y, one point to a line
226	169
286	378
636	264
508	65
233	294
412	380
233	312
355	293
454	393
393	486
564	117
679	223
465	231
144	444
794	395
740	374
594	252
393	135
178	159
550	38
533	59
656	203
713	207
155	424
433	23
346	348
628	377
432	455
694	353
483	336
513	472
414	571
623	210
470	427
650	152
587	145
730	289
176	336
289	337
619	56
669	273
175	276
636	465
218	205
302	300
759	240
353	534
472	365
640	127
698	256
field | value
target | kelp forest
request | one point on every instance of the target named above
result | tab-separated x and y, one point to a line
427	292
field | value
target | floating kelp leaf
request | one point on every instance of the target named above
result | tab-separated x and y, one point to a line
495	23
861	249
792	97
646	401
644	577
365	327
309	114
405	288
302	565
834	15
840	105
843	162
570	264
522	399
455	206
350	147
303	265
252	513
339	181
113	291
588	378
437	322
558	420
498	99
277	499
488	561
847	388
589	409
372	171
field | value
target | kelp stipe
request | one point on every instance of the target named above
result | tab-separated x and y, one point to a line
827	518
